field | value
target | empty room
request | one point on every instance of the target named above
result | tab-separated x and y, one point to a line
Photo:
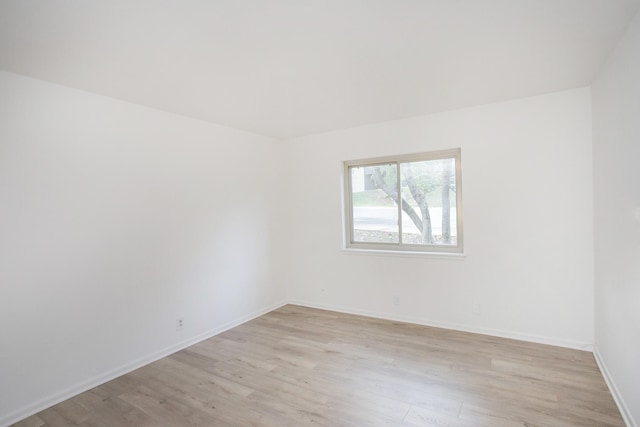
338	213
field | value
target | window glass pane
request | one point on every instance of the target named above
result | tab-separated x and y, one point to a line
373	197
429	195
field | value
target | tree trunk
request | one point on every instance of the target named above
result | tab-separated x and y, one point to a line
427	233
446	205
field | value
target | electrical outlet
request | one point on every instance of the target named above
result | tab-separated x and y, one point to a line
477	308
179	324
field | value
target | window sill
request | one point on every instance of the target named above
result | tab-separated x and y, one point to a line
406	254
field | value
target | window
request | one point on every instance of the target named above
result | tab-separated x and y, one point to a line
405	203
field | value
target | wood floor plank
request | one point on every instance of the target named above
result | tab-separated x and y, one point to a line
297	366
34	421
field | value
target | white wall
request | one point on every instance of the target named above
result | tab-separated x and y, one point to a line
115	220
528	223
616	115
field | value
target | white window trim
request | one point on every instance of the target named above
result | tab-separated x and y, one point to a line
375	248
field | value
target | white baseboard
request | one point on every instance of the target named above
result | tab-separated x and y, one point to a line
617	397
577	345
31	409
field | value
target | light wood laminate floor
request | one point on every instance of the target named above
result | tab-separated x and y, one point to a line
298	366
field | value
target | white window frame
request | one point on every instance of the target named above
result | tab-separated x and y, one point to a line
350	244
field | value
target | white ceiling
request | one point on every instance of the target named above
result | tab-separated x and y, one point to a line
285	68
